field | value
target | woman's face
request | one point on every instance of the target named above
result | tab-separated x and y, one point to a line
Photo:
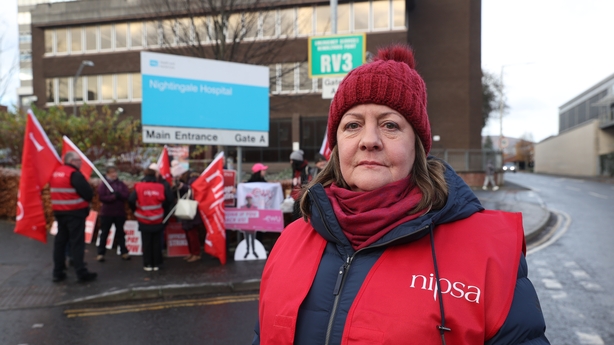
376	146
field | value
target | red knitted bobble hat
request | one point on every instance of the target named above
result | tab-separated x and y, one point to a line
390	80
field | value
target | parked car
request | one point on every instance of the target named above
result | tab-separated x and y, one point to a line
510	166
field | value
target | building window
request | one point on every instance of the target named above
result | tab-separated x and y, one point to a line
250	22
78	90
152	33
184	30
60	41
105	37
107	87
92	88
25	38
63	89
286	23
323	20
273	79
23	18
121	33
398	10
49	41
168	32
305	21
122	86
25	56
76	45
361	16
287	77
201	29
50	92
305	83
312	134
136	35
91	38
25	74
268	22
343	18
136	86
380	15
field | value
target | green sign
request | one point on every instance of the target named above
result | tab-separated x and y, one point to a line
335	56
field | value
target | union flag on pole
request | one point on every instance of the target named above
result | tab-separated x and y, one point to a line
164	167
209	192
86	169
38	162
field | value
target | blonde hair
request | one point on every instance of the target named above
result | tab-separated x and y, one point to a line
426	174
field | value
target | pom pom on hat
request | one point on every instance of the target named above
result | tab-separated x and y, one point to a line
297	155
390	80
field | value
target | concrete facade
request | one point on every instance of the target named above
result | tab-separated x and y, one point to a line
446	37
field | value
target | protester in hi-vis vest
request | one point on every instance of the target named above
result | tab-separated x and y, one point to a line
148	201
70	199
394	248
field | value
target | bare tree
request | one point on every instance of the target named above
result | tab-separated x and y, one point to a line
492	95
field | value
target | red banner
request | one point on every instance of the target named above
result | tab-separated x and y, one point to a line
230	190
38	161
86	165
209	192
164	166
324	149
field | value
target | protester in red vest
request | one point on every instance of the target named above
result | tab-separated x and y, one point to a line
394	248
70	199
112	212
148	201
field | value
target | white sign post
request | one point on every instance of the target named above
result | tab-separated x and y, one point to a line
329	87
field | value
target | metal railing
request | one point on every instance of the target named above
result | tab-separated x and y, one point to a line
469	159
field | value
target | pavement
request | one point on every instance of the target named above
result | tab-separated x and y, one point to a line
26	266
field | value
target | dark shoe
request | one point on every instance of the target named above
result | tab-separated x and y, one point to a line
59	278
100	258
126	257
89	276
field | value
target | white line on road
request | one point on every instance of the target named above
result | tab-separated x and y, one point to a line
552	284
559	230
573	188
580	274
589	339
591	286
597	195
571	264
546	273
558	294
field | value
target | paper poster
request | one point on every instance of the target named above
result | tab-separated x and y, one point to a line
133	237
264	195
254	219
176	241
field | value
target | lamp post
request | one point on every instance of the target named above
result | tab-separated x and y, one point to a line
74	84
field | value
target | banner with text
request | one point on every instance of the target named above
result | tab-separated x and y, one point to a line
254	219
264	195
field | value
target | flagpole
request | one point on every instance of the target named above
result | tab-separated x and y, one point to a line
89	163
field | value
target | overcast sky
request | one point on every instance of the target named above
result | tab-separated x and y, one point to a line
552	51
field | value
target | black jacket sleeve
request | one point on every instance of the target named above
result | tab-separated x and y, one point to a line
83	188
132	200
525	322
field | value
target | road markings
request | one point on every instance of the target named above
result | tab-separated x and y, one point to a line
70	313
580	274
597	195
552	284
558	294
571	264
589	339
553	235
573	188
591	286
544	272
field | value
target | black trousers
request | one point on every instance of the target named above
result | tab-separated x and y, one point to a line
120	236
71	229
152	248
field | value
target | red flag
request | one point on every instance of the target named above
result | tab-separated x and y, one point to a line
324	149
164	167
38	161
209	192
86	169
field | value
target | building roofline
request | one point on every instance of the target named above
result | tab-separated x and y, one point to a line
588	91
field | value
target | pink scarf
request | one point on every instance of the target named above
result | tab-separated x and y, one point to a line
365	217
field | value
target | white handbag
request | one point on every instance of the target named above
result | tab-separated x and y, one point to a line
186	208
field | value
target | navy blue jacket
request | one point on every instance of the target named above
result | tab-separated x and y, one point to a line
524	324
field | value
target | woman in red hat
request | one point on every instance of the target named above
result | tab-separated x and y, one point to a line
393	246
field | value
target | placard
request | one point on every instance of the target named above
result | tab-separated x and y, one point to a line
133	237
254	219
176	240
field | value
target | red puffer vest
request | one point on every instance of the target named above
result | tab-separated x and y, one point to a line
477	258
149	196
64	197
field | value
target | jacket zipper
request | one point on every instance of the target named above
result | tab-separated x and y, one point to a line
344	269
